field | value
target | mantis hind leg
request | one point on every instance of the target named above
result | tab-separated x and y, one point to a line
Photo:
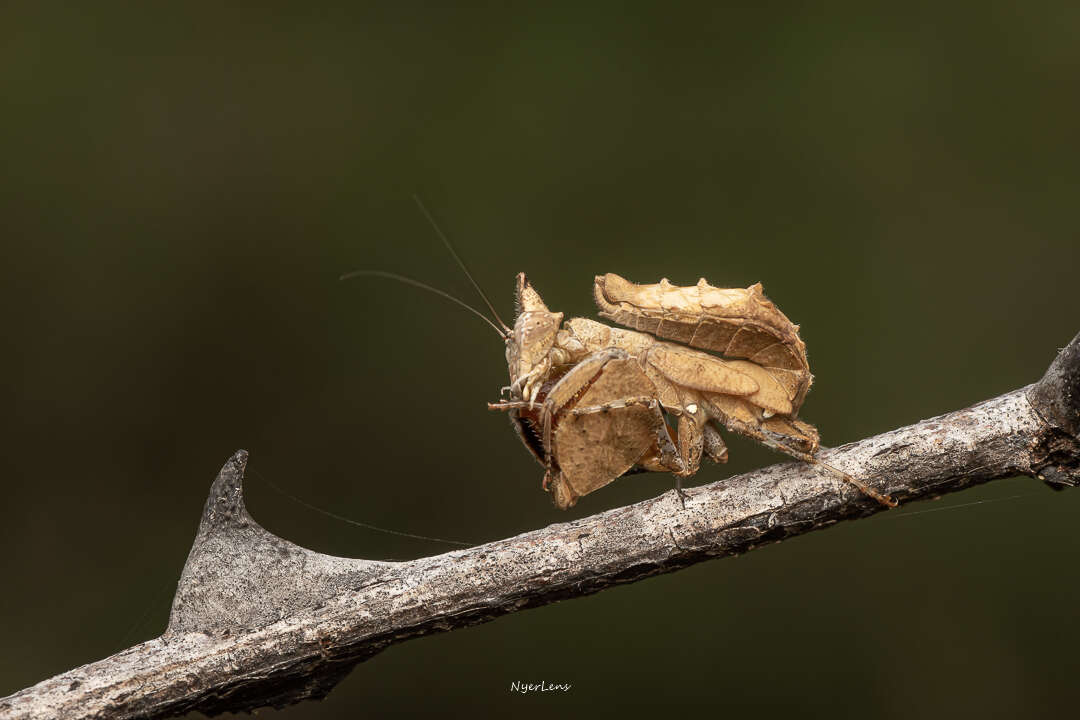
784	444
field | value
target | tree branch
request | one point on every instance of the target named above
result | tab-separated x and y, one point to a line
258	621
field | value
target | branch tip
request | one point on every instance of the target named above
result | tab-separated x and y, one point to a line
1057	396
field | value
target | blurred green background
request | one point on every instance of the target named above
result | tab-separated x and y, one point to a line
181	188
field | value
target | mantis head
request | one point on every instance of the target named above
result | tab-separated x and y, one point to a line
529	344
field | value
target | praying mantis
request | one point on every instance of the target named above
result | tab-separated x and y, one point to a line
591	402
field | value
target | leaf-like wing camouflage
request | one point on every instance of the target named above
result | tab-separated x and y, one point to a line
596	448
735	322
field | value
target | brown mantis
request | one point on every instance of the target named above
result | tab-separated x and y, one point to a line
589	400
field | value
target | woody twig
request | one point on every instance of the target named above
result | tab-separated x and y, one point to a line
259	621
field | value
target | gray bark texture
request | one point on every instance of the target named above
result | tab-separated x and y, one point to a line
259	621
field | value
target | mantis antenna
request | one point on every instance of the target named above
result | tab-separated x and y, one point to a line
429	288
446	242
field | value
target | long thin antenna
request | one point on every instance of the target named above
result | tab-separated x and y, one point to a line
350	521
446	242
424	286
894	516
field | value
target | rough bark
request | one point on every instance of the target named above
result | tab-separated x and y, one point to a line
259	621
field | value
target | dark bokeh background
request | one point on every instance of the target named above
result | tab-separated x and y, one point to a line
180	189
